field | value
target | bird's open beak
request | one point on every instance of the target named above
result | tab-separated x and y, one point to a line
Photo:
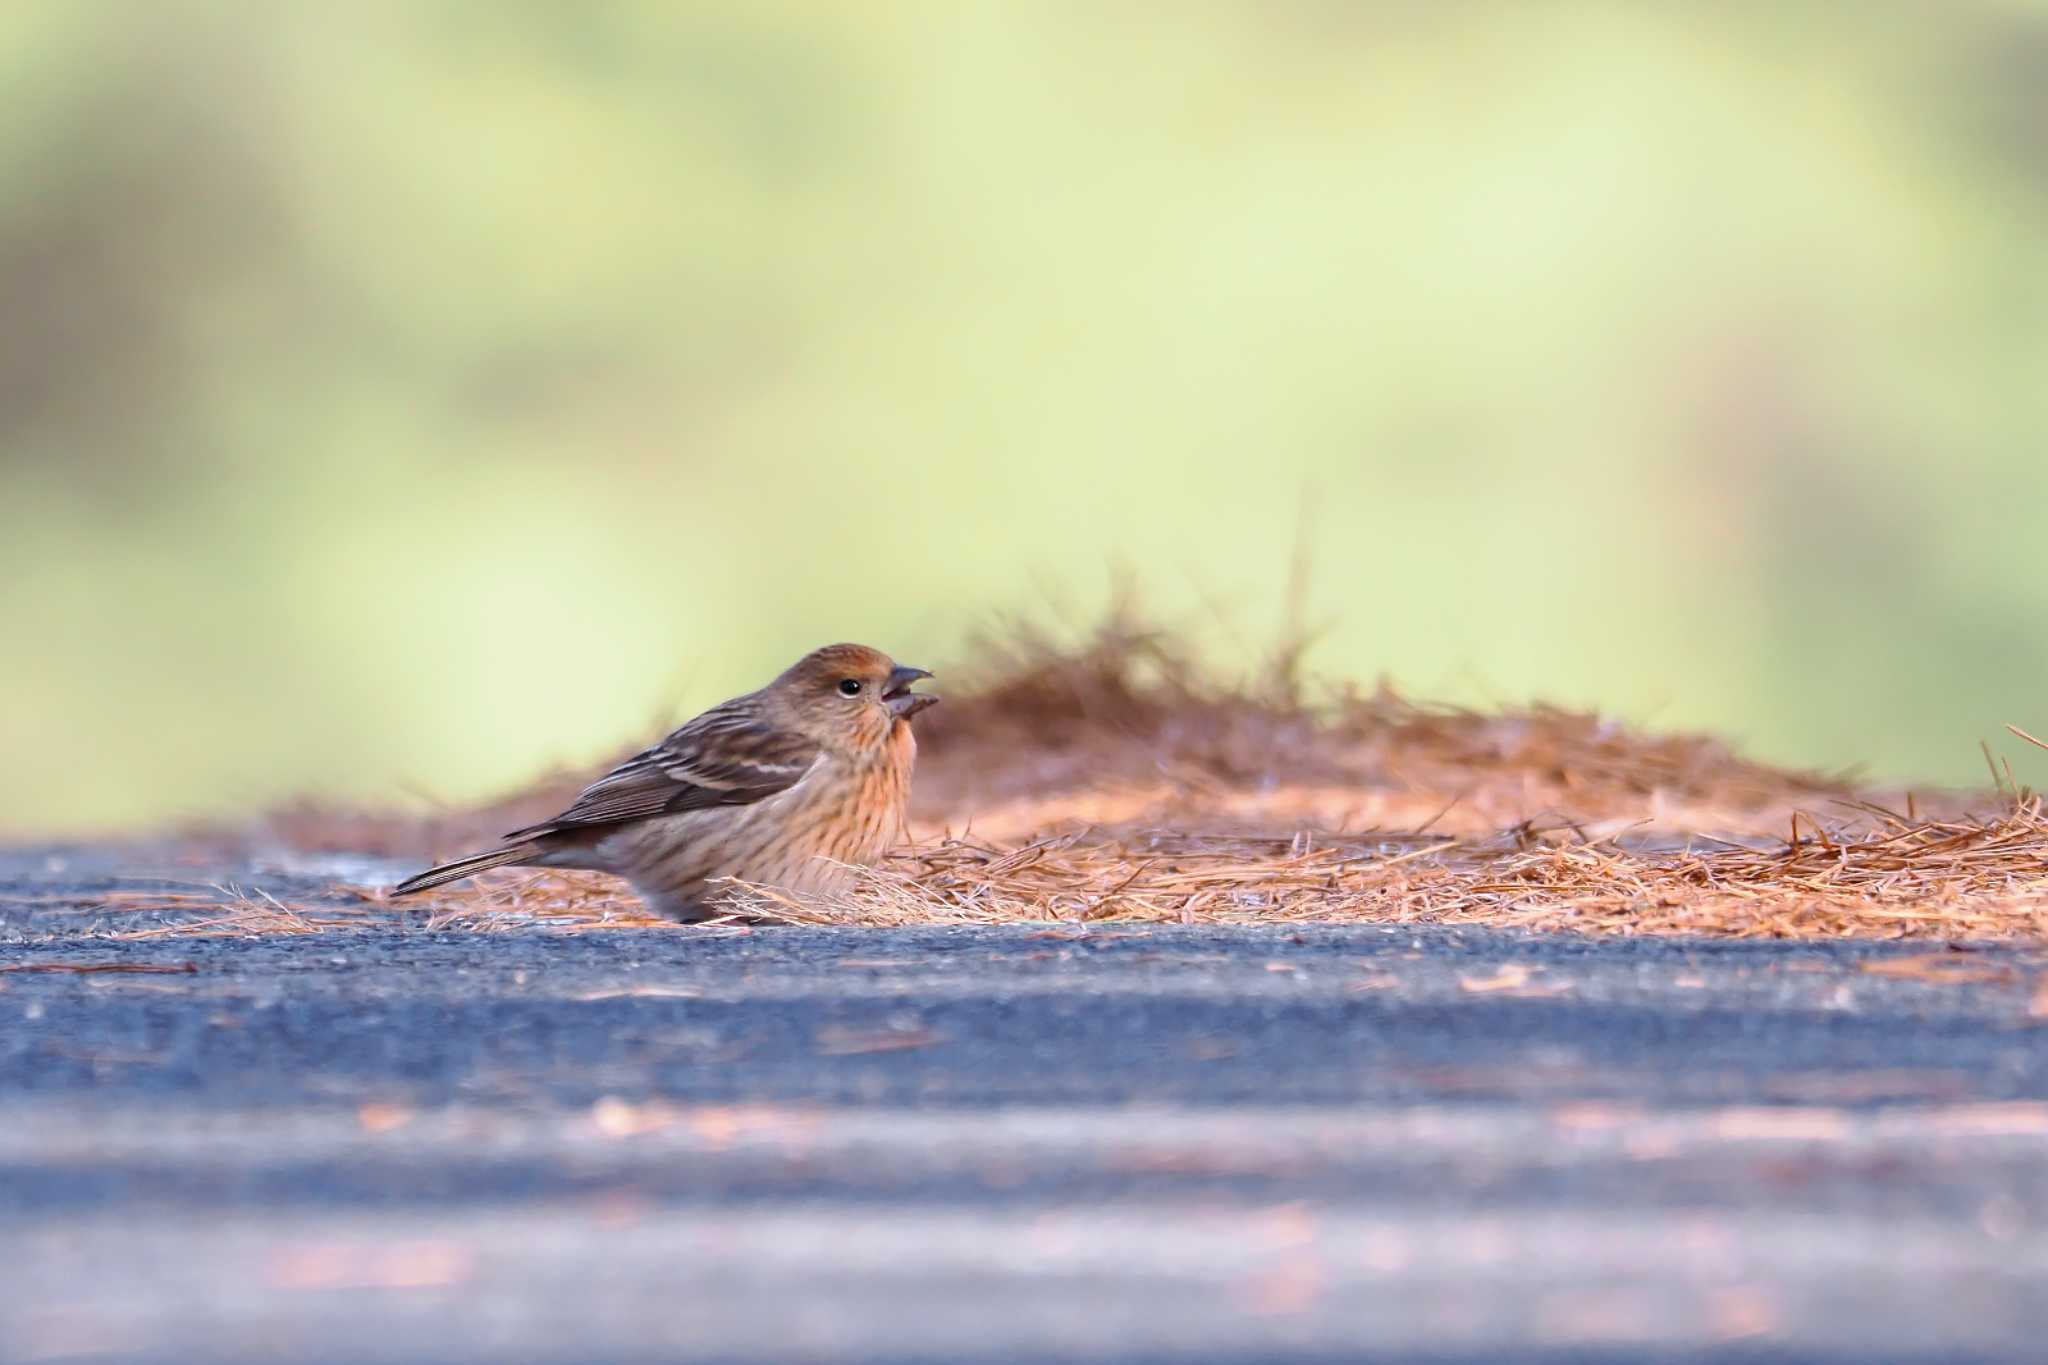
903	702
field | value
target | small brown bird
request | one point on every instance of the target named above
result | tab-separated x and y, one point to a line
786	787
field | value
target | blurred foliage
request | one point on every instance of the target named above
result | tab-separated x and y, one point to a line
405	396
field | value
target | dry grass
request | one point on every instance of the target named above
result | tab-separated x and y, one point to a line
1115	779
1128	728
237	914
1953	880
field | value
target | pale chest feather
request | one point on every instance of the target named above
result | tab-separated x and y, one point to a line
842	812
845	812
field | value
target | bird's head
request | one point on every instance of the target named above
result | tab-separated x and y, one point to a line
849	698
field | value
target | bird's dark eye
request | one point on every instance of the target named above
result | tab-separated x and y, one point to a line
849	687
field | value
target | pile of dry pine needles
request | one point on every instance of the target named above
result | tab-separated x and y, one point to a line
1117	780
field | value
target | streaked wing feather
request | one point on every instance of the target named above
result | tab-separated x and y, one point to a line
729	756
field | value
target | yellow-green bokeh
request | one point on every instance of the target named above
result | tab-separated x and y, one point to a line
400	397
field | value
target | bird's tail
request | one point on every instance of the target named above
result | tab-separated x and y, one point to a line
464	867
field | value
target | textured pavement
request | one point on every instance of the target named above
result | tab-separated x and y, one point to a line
384	1143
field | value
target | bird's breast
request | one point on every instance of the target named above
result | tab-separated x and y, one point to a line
845	811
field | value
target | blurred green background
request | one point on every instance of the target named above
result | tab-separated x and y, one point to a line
401	397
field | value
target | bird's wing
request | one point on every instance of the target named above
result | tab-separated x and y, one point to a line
729	756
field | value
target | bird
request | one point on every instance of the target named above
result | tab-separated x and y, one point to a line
790	786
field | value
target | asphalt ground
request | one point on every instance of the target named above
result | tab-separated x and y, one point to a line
1024	1142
